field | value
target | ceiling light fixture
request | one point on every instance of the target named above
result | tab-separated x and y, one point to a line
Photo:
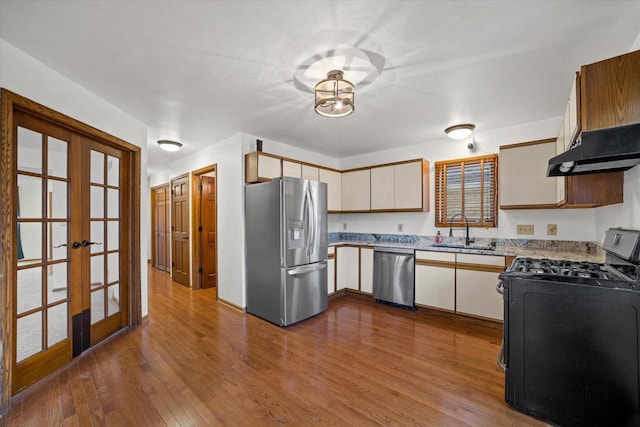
459	131
167	145
334	96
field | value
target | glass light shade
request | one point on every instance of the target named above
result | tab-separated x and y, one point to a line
167	145
334	96
459	131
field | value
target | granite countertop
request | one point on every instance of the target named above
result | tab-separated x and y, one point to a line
552	249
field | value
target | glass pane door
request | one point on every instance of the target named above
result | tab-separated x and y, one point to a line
105	236
42	281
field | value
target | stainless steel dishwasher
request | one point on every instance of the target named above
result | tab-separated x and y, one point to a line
394	276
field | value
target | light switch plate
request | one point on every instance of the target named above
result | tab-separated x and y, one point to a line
399	228
344	226
525	229
552	229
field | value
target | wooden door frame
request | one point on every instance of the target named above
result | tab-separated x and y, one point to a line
10	102
196	243
167	186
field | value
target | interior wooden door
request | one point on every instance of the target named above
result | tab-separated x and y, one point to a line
209	231
161	237
69	284
180	261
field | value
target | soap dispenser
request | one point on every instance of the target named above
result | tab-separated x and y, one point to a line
438	238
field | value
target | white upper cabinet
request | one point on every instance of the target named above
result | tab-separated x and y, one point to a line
356	190
293	169
310	172
523	176
402	186
334	188
259	166
383	188
409	188
398	187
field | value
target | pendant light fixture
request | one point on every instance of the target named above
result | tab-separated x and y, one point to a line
460	131
168	145
334	96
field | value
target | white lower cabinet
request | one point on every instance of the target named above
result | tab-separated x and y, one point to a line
436	279
366	270
331	272
347	266
476	280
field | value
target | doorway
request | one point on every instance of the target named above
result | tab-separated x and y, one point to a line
205	228
160	233
70	233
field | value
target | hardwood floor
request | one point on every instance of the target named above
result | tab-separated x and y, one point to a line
198	362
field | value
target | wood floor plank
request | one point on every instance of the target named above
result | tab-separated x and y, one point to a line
196	362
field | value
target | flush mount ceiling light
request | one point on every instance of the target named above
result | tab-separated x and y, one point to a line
459	131
167	145
334	96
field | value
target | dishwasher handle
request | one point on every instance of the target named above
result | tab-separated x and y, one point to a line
394	250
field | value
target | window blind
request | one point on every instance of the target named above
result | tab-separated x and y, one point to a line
467	187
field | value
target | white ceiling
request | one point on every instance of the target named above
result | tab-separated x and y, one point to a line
200	71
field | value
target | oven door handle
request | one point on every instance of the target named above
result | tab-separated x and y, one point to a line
500	288
501	363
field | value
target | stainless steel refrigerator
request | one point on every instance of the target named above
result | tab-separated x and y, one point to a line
286	249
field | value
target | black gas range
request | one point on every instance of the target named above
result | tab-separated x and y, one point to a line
613	275
571	350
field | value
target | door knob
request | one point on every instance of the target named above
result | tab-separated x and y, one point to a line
86	243
76	245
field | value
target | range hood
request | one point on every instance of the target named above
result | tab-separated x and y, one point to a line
604	150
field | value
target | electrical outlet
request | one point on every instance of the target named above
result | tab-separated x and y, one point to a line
399	228
344	226
552	229
525	229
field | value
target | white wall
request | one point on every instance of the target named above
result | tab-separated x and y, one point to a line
626	215
24	75
228	155
573	224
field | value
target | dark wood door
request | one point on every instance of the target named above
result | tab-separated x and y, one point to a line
161	236
180	262
209	231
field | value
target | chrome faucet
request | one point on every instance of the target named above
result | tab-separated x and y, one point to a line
467	240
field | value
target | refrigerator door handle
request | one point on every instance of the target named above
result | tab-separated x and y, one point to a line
307	269
307	212
313	219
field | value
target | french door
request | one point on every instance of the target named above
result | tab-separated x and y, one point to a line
71	251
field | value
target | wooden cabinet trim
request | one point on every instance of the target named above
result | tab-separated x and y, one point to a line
479	267
431	263
524	144
542	206
251	176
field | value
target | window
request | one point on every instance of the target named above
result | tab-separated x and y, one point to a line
468	187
